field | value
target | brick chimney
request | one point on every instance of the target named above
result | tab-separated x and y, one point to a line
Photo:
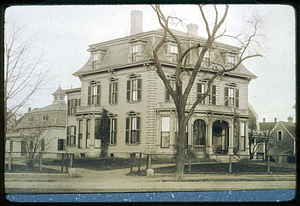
290	119
264	119
136	22
275	119
192	29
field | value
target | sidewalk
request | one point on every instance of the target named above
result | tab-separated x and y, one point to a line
90	181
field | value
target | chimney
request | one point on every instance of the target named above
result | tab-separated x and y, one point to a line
136	22
264	119
192	29
290	119
275	119
29	109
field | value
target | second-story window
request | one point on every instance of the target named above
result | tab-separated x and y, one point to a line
168	95
174	53
94	92
201	91
134	89
113	92
231	96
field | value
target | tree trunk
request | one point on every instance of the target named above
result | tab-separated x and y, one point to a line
180	155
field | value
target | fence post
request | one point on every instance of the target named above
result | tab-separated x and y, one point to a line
62	163
149	161
71	160
269	167
139	168
41	162
190	163
67	165
230	163
9	161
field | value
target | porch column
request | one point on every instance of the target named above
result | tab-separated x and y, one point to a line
92	133
230	147
83	133
209	137
246	136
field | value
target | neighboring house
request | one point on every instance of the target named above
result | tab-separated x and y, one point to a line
50	121
119	77
282	139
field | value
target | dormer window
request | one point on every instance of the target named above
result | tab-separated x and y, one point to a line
30	119
135	50
45	118
95	60
231	61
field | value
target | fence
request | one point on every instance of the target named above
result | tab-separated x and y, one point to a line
217	163
67	160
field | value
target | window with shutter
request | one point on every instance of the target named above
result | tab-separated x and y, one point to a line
134	89
168	95
68	136
133	129
231	96
113	131
113	92
200	91
80	124
226	96
89	94
69	107
213	95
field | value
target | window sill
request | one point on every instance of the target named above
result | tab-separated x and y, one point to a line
113	104
132	144
133	102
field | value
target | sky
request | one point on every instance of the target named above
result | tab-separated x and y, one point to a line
63	33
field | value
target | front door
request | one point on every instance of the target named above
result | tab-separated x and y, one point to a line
220	136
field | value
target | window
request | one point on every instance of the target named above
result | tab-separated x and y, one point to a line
61	145
88	129
231	97
71	135
97	134
242	134
231	61
165	132
113	92
42	145
45	117
174	53
30	119
199	132
135	49
279	135
212	96
134	90
94	94
168	95
206	58
113	131
95	58
200	91
80	124
133	129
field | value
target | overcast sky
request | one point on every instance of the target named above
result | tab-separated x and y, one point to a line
63	33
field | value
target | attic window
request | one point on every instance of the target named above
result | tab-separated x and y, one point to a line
30	119
45	118
231	61
97	58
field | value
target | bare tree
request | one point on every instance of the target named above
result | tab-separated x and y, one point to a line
22	75
180	94
34	141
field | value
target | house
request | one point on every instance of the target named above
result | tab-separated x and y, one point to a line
281	139
119	77
46	125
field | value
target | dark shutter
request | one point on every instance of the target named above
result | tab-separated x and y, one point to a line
110	93
116	130
127	130
167	93
68	137
116	100
213	92
237	98
89	94
98	94
226	96
128	90
79	102
139	94
138	128
69	107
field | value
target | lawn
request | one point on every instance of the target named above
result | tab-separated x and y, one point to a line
24	169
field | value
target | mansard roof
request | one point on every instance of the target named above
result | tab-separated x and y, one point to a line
117	52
